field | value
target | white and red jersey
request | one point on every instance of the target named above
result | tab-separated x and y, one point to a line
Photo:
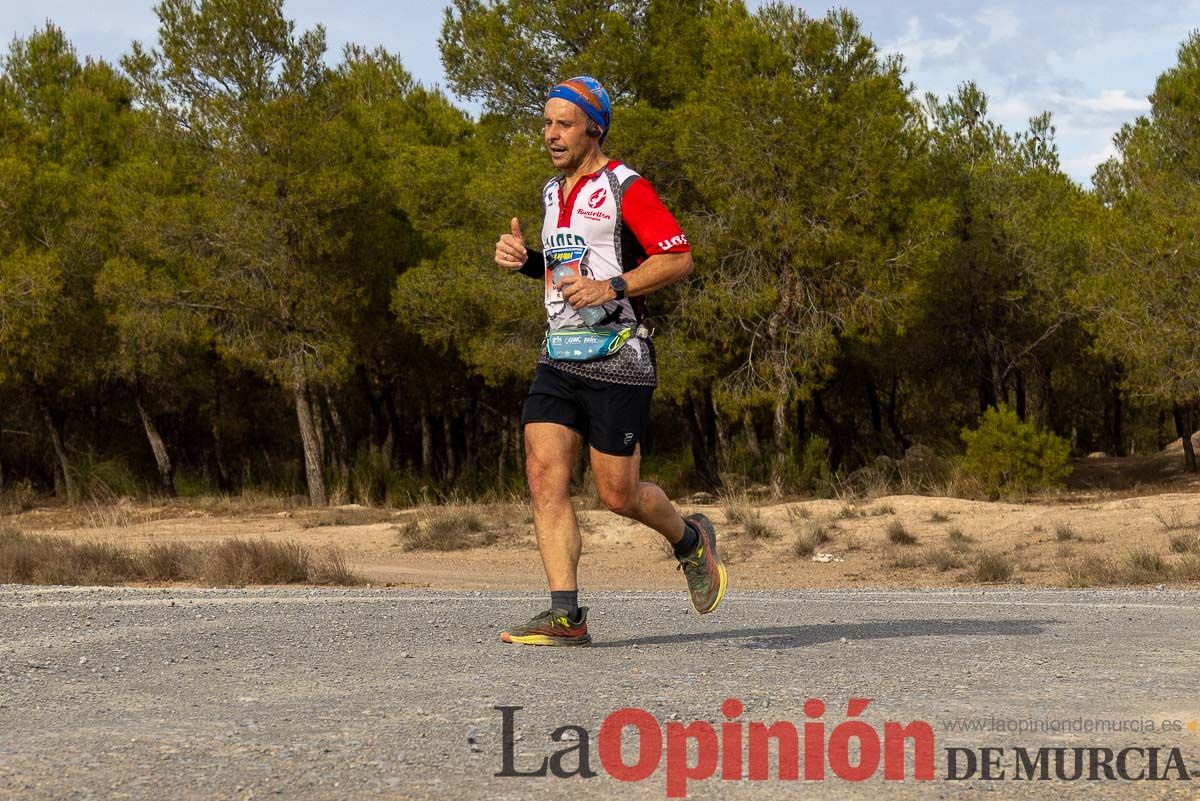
611	222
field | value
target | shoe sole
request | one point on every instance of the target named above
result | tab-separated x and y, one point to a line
720	591
720	571
545	639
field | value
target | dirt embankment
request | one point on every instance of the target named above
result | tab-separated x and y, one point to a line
896	541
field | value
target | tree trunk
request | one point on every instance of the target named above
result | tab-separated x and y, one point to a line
341	444
224	482
318	421
751	434
1118	423
893	415
694	409
426	442
162	457
779	439
722	434
1037	396
1184	428
876	411
56	440
1019	392
518	439
503	456
836	444
312	446
448	436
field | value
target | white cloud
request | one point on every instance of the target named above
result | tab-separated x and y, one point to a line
1110	100
1086	164
1001	23
917	48
1010	110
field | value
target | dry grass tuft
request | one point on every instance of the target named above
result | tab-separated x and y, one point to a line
1185	543
1064	533
939	517
348	517
1139	566
1175	520
899	535
883	509
993	567
797	513
738	508
958	540
849	511
758	529
44	559
240	562
943	559
1187	568
903	558
1143	566
449	528
809	540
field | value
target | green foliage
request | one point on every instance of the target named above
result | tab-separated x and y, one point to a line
238	227
1006	454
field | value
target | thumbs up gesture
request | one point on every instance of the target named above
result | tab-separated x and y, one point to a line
510	248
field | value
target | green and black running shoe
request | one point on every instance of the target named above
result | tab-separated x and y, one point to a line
552	627
706	576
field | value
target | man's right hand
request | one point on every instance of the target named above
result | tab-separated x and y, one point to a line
510	248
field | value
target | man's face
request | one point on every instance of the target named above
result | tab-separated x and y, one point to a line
566	136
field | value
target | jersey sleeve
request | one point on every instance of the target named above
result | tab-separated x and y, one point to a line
645	215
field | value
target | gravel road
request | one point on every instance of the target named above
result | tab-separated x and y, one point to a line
383	694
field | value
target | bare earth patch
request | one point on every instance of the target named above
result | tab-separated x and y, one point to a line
1046	543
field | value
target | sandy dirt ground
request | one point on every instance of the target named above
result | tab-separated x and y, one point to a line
1112	507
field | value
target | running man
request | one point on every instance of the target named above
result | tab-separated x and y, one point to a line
607	225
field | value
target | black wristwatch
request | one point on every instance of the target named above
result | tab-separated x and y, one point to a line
619	286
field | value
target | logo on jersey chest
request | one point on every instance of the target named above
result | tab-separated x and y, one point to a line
594	201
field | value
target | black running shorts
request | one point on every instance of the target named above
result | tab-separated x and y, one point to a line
610	417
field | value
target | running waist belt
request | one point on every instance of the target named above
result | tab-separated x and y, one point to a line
586	344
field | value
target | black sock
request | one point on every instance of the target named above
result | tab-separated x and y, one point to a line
688	543
566	600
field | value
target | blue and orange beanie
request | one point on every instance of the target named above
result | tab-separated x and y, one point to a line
587	93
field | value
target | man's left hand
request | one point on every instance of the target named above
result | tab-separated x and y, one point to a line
583	292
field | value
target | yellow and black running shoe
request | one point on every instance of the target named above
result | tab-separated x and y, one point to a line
552	627
706	575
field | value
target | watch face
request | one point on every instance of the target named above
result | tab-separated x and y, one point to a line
618	284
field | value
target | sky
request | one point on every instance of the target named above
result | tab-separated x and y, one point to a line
1091	64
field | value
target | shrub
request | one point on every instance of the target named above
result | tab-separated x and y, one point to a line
898	534
1185	543
451	528
815	474
939	517
992	567
943	559
1064	533
807	542
757	529
958	539
1005	454
44	559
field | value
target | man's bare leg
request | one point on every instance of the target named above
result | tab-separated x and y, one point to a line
623	492
550	453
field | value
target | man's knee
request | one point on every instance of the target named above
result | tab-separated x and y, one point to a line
620	499
547	479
